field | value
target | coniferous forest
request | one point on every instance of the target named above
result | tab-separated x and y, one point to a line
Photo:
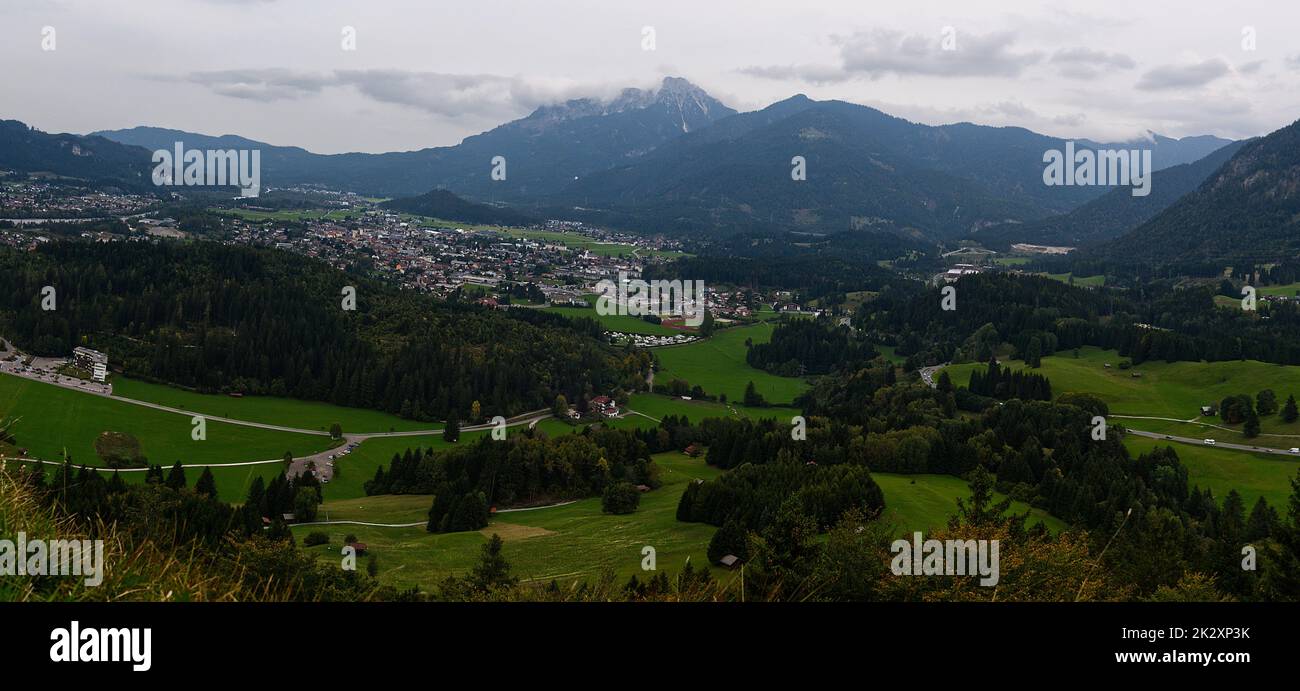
222	318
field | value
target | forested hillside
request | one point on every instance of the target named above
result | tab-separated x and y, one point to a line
222	318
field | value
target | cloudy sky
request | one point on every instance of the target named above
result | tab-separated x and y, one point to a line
430	73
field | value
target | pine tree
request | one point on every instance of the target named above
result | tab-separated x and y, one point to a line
492	570
1262	519
1034	352
452	430
176	478
1266	402
207	484
685	504
944	384
729	539
1290	413
1251	426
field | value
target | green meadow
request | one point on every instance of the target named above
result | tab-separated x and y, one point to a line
1289	290
255	215
52	419
1252	474
659	406
1175	390
232	481
578	241
1088	281
573	541
718	365
285	412
624	323
353	470
576	541
925	502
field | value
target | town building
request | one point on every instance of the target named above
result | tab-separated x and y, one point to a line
85	358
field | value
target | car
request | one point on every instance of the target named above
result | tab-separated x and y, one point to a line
1209	442
1295	450
1168	437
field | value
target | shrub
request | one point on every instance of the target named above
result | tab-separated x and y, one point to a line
620	498
314	538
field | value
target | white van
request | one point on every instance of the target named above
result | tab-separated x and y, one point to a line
1209	442
1295	450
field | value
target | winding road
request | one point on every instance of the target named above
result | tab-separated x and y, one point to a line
324	469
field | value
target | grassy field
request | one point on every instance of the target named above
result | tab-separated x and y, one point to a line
1289	290
1089	281
289	214
352	471
565	542
1252	475
1178	390
888	352
286	412
718	364
624	323
53	419
659	406
1175	390
578	241
924	502
577	541
232	481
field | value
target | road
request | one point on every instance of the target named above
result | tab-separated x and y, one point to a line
322	461
1217	444
927	374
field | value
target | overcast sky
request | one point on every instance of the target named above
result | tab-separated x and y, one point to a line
430	73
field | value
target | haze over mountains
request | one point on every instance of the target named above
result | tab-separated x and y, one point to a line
1248	209
1113	213
544	151
674	159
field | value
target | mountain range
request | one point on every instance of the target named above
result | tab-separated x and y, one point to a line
1112	214
1247	209
674	159
543	152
